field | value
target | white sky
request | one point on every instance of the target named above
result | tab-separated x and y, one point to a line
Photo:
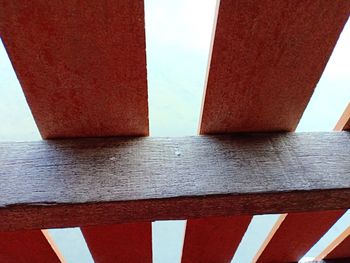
178	37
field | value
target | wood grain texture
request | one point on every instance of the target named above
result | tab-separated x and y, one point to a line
332	250
120	243
297	234
98	181
26	247
266	60
87	73
81	64
213	239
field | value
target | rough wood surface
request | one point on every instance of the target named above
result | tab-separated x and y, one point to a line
81	64
266	60
213	239
97	181
26	247
122	243
297	234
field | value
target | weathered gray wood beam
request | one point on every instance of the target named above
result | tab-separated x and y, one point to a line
79	182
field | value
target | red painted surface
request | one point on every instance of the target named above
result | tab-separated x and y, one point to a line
81	64
25	247
120	243
341	251
344	121
266	61
297	234
300	231
347	126
267	58
213	239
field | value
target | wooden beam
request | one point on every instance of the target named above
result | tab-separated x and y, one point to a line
299	232
266	60
98	181
120	243
341	251
81	64
213	239
270	235
26	247
264	66
344	121
338	248
87	75
53	244
296	235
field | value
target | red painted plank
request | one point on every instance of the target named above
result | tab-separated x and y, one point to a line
341	251
213	239
263	70
26	247
344	121
120	243
300	231
296	235
266	60
338	248
81	64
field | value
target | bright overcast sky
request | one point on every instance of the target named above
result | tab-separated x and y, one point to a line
178	36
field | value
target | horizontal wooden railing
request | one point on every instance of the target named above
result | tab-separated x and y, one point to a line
87	78
81	182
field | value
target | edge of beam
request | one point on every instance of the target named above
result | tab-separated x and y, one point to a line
66	183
